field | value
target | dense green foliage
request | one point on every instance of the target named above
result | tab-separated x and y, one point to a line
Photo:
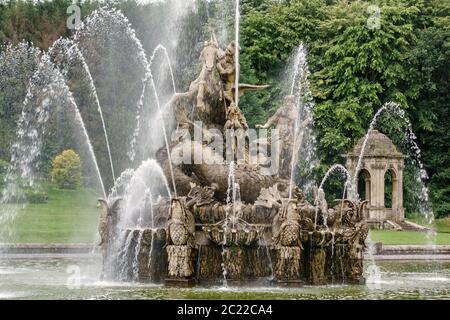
354	70
66	170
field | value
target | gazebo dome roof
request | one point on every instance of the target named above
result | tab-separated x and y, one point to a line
378	145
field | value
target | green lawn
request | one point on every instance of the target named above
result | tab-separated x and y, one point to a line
441	226
388	237
68	217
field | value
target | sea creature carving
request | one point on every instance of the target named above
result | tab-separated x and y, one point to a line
180	240
286	225
201	196
286	229
354	233
109	218
181	225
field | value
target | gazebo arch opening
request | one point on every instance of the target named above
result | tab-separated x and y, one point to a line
390	191
364	184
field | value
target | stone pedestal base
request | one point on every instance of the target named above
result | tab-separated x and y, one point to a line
315	266
233	263
287	267
181	265
247	263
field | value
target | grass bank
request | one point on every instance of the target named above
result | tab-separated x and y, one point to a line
69	216
388	237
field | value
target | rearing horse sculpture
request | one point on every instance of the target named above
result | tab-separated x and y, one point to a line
205	99
205	93
208	81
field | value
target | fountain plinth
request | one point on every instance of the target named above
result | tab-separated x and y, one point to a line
230	220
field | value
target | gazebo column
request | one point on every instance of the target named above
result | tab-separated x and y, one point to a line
399	197
367	188
377	192
395	207
381	187
374	195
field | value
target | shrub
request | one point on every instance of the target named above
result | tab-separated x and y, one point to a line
66	170
35	196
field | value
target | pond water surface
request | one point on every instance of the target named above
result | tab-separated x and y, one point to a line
57	278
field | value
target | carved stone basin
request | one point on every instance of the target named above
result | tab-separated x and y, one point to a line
229	236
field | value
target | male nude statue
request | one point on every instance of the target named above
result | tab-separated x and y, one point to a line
226	66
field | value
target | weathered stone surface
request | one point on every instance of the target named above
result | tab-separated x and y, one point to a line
287	263
181	261
317	266
229	237
209	262
251	213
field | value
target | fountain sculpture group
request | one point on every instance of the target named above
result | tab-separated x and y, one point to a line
230	222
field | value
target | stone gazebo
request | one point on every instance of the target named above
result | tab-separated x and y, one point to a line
381	159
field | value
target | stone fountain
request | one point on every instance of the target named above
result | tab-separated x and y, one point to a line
232	221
